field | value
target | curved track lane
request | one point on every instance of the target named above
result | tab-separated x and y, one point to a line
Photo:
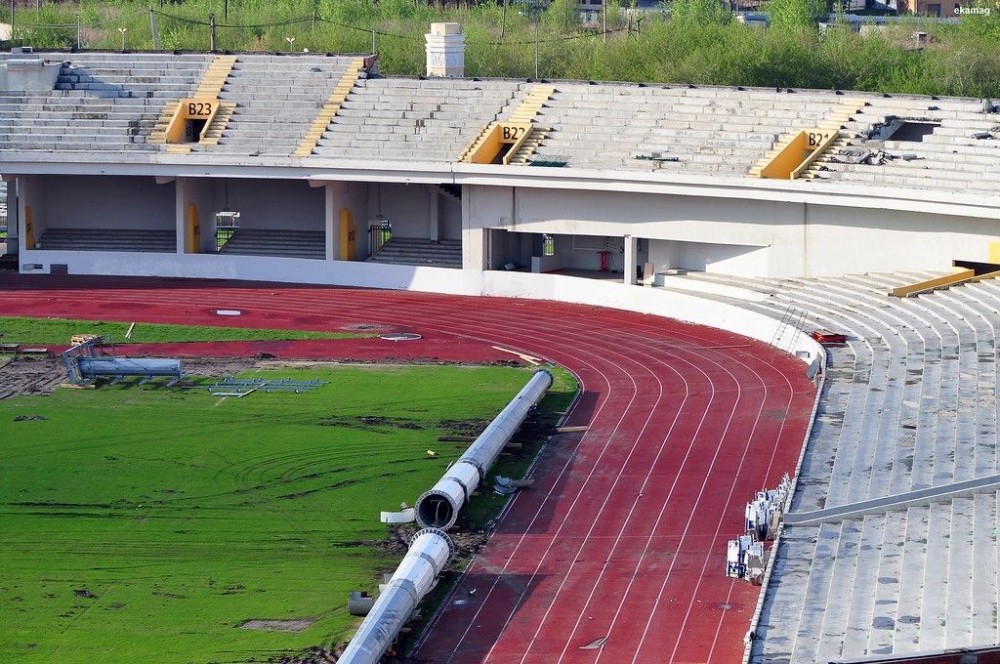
618	554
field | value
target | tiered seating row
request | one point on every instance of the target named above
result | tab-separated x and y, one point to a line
110	103
108	239
909	403
276	100
415	251
282	243
102	103
415	120
948	158
702	129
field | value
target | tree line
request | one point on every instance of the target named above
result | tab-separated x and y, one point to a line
689	41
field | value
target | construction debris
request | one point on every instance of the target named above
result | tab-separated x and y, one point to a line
746	557
397	518
504	486
241	387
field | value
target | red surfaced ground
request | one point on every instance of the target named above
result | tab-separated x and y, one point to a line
618	553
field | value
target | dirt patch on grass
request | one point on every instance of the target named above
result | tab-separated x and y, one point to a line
296	625
369	422
397	541
464	427
33	375
42	375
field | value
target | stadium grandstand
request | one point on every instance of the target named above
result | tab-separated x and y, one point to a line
317	169
898	493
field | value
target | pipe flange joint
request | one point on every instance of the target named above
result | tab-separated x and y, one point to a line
439	533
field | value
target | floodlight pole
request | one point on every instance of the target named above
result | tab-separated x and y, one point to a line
536	44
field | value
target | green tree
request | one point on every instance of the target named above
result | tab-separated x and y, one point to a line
785	14
700	12
563	15
982	20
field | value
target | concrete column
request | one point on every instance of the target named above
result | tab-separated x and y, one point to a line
445	50
631	250
202	193
13	215
334	201
473	241
31	190
435	214
181	194
22	195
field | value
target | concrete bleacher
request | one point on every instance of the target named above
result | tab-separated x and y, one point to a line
277	98
948	157
631	127
909	405
416	119
112	105
419	252
107	239
280	243
111	102
101	102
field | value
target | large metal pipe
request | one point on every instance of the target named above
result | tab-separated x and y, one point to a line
438	508
429	552
103	366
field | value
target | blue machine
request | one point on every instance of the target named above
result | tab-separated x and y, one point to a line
83	364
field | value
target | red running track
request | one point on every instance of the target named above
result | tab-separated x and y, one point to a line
618	554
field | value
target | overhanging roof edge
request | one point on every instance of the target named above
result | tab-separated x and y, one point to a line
788	191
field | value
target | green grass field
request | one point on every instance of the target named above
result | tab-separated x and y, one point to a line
58	331
146	524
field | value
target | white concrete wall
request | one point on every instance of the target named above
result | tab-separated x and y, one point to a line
709	257
108	202
739	237
274	204
852	240
664	255
692	220
450	212
755	223
489	207
407	206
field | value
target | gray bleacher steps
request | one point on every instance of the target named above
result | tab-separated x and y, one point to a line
108	239
418	252
101	103
278	243
890	547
